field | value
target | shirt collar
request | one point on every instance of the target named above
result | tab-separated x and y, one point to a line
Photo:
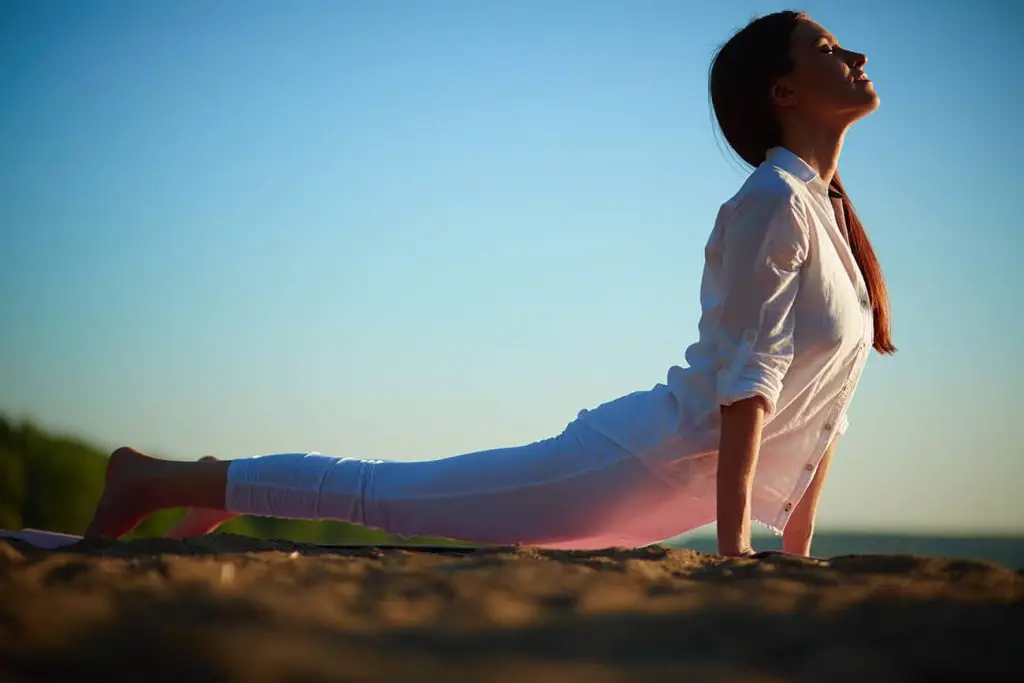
794	165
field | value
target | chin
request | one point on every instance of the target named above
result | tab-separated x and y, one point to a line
868	98
872	103
862	106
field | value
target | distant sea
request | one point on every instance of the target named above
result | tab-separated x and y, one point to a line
1004	550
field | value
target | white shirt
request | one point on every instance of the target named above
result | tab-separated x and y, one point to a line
785	315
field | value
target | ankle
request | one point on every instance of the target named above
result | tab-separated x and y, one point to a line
188	484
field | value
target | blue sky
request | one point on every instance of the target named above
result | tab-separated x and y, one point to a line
408	229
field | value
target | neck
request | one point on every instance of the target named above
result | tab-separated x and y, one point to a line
819	148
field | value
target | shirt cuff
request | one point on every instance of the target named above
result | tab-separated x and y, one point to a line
844	424
765	386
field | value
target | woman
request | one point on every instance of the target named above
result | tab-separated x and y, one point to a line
792	301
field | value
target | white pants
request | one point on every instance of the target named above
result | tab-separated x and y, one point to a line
576	490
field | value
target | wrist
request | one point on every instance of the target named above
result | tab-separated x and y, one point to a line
736	551
734	543
797	542
734	533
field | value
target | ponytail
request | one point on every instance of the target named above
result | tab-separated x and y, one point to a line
871	269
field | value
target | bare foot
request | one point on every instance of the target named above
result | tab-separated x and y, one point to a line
199	521
126	493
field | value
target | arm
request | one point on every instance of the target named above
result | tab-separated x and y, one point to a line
796	538
737	461
764	245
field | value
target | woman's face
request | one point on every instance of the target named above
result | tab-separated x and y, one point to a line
828	83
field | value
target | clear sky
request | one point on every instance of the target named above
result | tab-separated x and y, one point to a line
406	230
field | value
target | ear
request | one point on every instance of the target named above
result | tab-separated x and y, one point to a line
782	93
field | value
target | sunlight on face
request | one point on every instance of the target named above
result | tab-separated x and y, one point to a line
828	82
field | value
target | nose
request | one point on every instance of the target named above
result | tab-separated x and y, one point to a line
857	60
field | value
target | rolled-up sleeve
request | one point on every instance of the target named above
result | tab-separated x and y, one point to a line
764	245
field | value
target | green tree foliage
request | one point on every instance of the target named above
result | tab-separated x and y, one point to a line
52	482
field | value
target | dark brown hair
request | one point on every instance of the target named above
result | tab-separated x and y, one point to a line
742	74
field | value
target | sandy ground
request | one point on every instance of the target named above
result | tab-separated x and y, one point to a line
228	608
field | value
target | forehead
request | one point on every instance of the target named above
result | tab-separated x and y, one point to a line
808	31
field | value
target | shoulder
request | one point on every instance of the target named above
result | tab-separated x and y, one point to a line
769	205
769	188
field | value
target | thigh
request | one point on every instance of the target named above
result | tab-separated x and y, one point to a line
574	490
574	452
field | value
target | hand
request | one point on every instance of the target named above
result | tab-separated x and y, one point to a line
768	554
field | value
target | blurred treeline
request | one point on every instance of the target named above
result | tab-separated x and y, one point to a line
52	481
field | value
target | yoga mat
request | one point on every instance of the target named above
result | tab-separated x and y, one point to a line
51	540
41	539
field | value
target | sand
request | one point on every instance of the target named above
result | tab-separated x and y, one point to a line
230	608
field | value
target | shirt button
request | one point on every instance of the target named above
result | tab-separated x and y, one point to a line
828	426
865	301
809	467
789	506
